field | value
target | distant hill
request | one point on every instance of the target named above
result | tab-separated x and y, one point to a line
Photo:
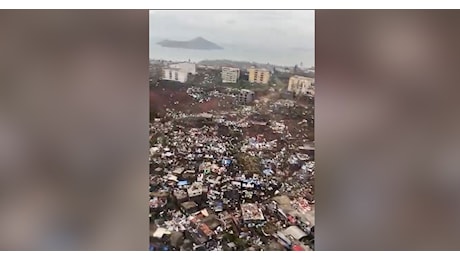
198	43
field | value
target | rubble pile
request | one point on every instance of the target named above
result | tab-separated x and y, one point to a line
238	179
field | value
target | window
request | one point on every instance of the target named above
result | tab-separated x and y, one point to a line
170	75
176	75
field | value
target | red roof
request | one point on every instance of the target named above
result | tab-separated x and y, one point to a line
297	248
205	229
292	219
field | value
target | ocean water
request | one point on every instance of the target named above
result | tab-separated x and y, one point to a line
282	57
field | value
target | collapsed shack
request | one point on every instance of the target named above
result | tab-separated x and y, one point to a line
189	207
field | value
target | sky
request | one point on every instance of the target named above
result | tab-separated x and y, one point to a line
283	37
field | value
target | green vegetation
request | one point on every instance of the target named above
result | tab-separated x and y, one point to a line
251	164
270	228
278	82
239	242
240	84
244	84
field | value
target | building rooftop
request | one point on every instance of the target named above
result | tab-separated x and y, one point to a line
263	69
297	248
205	230
230	68
160	232
295	232
211	221
251	211
301	77
195	189
189	205
178	170
180	194
174	69
283	200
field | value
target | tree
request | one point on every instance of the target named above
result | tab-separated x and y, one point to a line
241	243
229	237
250	164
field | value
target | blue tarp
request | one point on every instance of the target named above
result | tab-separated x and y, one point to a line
268	171
219	205
226	162
182	183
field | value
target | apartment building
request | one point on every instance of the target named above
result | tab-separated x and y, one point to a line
261	76
174	74
230	75
301	85
245	96
186	67
179	71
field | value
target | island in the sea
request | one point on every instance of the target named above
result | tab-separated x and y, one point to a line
198	43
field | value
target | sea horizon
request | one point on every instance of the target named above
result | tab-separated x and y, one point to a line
286	57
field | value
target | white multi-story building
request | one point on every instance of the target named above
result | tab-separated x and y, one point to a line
230	75
185	66
179	71
301	85
174	75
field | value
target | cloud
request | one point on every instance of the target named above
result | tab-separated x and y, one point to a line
264	29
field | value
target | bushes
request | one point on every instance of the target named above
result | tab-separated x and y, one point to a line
251	164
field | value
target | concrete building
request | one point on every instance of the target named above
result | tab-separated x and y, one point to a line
252	213
301	85
189	207
174	74
180	195
179	71
295	232
196	189
261	76
186	67
230	75
245	96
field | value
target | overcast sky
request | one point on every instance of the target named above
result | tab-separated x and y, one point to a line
284	32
